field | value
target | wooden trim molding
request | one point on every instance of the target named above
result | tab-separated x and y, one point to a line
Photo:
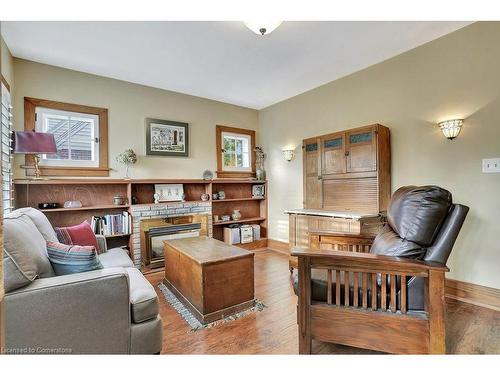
218	146
279	246
30	105
474	294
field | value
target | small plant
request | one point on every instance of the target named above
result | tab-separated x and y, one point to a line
128	158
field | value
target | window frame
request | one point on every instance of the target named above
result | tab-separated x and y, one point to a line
222	130
40	111
102	170
10	183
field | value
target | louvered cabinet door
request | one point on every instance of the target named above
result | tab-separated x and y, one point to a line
312	178
333	154
361	150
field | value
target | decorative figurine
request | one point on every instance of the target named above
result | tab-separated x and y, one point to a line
260	173
156	197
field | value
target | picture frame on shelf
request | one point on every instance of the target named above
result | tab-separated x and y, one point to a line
169	192
258	191
167	138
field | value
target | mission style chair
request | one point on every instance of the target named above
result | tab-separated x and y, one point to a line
390	298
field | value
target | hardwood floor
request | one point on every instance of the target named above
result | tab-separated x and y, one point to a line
470	329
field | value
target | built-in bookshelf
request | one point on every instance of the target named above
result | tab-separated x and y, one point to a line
96	196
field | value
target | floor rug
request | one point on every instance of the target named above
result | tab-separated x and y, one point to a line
194	323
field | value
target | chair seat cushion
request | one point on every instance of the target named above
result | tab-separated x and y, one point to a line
143	298
68	259
115	258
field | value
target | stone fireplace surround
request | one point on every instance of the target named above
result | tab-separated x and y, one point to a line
163	210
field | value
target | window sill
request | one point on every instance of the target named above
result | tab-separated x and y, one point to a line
234	174
67	171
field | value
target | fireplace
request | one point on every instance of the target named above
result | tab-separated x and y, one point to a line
155	231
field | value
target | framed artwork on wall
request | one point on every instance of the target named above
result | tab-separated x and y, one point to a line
167	138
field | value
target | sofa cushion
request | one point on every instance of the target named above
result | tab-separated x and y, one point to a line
25	254
41	222
416	213
143	298
115	258
81	234
68	259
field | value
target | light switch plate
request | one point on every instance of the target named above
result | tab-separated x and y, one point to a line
491	165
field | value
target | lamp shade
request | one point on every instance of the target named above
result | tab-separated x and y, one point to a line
451	128
34	143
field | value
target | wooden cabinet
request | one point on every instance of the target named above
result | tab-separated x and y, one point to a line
361	150
312	175
333	155
308	229
348	170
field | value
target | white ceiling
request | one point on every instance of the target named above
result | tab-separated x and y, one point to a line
224	61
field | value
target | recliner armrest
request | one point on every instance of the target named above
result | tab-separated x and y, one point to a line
87	312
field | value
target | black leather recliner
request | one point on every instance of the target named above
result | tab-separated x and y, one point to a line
422	223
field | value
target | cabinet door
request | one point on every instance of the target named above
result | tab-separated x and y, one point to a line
361	150
333	160
312	179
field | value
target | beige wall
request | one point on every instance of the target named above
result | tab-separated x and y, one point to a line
6	63
129	104
455	76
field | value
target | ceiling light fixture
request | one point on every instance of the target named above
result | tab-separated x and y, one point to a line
262	27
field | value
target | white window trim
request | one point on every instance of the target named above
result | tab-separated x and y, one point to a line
237	169
7	204
39	126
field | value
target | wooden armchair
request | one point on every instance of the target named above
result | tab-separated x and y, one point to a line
358	319
383	300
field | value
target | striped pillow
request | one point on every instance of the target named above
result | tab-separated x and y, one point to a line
66	259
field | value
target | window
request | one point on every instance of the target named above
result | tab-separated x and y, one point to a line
235	152
80	133
76	136
6	156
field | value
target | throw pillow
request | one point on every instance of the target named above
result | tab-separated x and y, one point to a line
81	234
68	259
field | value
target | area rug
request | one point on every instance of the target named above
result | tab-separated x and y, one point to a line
194	323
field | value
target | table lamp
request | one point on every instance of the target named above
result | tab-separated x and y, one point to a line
34	143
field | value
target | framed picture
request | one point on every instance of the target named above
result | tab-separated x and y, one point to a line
169	192
258	191
166	138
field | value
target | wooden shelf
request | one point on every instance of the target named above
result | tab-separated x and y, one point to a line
87	208
164	203
235	181
237	199
247	220
117	235
87	181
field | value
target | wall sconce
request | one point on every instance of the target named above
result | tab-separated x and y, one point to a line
288	154
451	128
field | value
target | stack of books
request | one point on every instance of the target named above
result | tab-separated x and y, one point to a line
110	225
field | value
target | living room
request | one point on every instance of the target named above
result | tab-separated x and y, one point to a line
229	187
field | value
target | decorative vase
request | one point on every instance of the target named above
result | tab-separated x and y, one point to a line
127	176
260	174
236	215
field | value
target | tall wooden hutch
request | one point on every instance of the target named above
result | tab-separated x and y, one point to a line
347	185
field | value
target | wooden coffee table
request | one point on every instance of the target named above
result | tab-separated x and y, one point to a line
212	279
